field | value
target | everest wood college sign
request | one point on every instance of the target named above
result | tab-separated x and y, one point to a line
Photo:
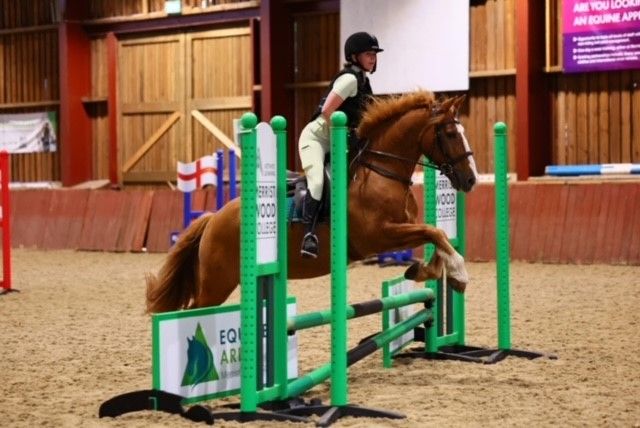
601	35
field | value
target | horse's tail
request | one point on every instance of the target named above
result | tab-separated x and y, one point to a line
175	285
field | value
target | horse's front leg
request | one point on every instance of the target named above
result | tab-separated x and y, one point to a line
408	235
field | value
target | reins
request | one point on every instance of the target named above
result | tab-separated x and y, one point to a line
446	167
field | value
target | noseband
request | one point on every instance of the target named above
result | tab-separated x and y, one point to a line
445	167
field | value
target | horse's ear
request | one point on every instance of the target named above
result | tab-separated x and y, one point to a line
446	105
457	102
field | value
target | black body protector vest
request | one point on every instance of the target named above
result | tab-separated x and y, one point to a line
352	106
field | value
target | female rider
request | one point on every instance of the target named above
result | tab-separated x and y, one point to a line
348	92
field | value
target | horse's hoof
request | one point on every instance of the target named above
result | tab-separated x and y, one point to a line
412	271
456	285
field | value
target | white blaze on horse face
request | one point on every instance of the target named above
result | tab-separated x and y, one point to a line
472	161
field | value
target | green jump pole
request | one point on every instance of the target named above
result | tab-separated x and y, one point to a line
339	213
319	375
280	360
429	192
502	236
248	266
315	319
459	309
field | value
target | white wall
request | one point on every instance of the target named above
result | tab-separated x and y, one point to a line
425	42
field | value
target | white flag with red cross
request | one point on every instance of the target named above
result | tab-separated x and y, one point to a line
194	175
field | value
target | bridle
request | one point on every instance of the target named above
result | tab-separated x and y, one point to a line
445	167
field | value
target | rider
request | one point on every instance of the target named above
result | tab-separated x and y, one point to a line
349	92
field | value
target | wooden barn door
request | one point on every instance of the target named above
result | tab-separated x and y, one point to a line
220	83
178	96
151	95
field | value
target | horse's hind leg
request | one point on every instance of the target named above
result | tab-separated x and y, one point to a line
408	235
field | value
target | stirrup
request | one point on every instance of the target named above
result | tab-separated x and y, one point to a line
309	245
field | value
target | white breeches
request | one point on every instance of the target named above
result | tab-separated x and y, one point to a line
312	147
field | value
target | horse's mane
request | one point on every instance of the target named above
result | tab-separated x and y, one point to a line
381	110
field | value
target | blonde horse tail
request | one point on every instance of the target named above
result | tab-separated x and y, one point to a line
175	285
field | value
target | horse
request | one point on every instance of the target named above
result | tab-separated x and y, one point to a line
203	267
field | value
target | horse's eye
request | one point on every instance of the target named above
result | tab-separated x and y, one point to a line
451	131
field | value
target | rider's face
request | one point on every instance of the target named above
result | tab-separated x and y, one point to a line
367	60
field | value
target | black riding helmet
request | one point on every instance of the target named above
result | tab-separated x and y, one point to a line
360	42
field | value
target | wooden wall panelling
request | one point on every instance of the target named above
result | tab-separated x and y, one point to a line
26	15
220	85
29	82
509	35
65	219
592	214
582	144
478	203
2	70
580	217
592	135
148	95
603	115
572	138
615	122
625	116
479	41
490	35
523	206
480	133
165	217
603	231
620	232
30	209
102	222
98	108
318	56
492	118
116	220
133	229
510	119
553	221
538	231
594	117
632	230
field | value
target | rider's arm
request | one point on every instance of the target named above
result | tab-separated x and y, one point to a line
344	87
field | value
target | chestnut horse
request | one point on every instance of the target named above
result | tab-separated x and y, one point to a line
203	267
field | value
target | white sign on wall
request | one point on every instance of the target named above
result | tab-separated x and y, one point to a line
425	42
446	207
266	199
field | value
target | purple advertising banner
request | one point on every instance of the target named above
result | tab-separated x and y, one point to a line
601	35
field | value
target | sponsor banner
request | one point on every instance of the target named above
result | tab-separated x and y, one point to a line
194	175
196	353
601	35
28	132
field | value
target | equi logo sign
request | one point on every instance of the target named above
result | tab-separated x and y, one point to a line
196	353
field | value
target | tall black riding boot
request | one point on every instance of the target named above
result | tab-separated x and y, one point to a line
309	219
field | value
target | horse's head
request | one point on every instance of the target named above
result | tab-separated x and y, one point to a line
447	147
